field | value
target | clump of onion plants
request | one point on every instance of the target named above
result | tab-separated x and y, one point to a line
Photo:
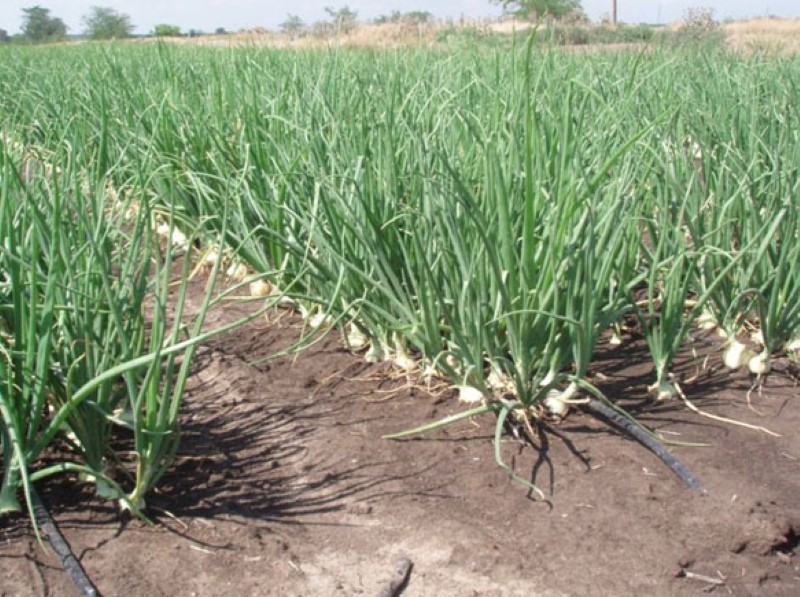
79	358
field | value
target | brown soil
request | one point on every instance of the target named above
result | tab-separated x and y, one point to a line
284	486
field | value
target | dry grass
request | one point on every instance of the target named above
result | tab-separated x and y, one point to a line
364	36
389	35
510	26
769	35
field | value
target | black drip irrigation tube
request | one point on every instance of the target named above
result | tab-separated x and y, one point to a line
62	549
608	414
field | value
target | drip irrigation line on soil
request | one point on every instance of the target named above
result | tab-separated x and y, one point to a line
608	414
62	549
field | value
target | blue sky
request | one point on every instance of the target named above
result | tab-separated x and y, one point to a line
207	15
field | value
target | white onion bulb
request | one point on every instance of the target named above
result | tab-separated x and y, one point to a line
737	355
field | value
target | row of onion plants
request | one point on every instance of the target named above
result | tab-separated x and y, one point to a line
94	348
485	215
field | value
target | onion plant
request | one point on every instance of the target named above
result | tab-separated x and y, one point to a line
59	330
78	361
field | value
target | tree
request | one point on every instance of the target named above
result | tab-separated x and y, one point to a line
164	30
395	17
293	25
38	26
418	17
344	19
4	36
107	23
535	9
414	17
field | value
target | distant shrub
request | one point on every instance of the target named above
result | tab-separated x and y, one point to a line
577	36
631	33
294	26
699	21
566	36
323	29
460	35
698	27
558	34
414	17
344	19
164	30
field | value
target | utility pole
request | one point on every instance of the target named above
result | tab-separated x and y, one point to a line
614	12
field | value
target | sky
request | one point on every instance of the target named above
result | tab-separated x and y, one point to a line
207	15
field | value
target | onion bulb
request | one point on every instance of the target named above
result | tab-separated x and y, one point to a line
402	360
663	391
706	321
760	364
497	380
737	355
557	401
319	319
210	258
176	237
375	352
356	339
469	394
237	272
260	288
430	372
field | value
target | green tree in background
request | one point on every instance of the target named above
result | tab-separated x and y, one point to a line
4	36
107	23
344	19
414	17
164	30
535	9
293	25
38	26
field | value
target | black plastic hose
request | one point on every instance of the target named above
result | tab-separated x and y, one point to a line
61	548
608	414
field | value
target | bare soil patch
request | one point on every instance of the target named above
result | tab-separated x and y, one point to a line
284	487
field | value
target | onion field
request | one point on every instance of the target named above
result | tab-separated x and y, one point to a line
486	217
